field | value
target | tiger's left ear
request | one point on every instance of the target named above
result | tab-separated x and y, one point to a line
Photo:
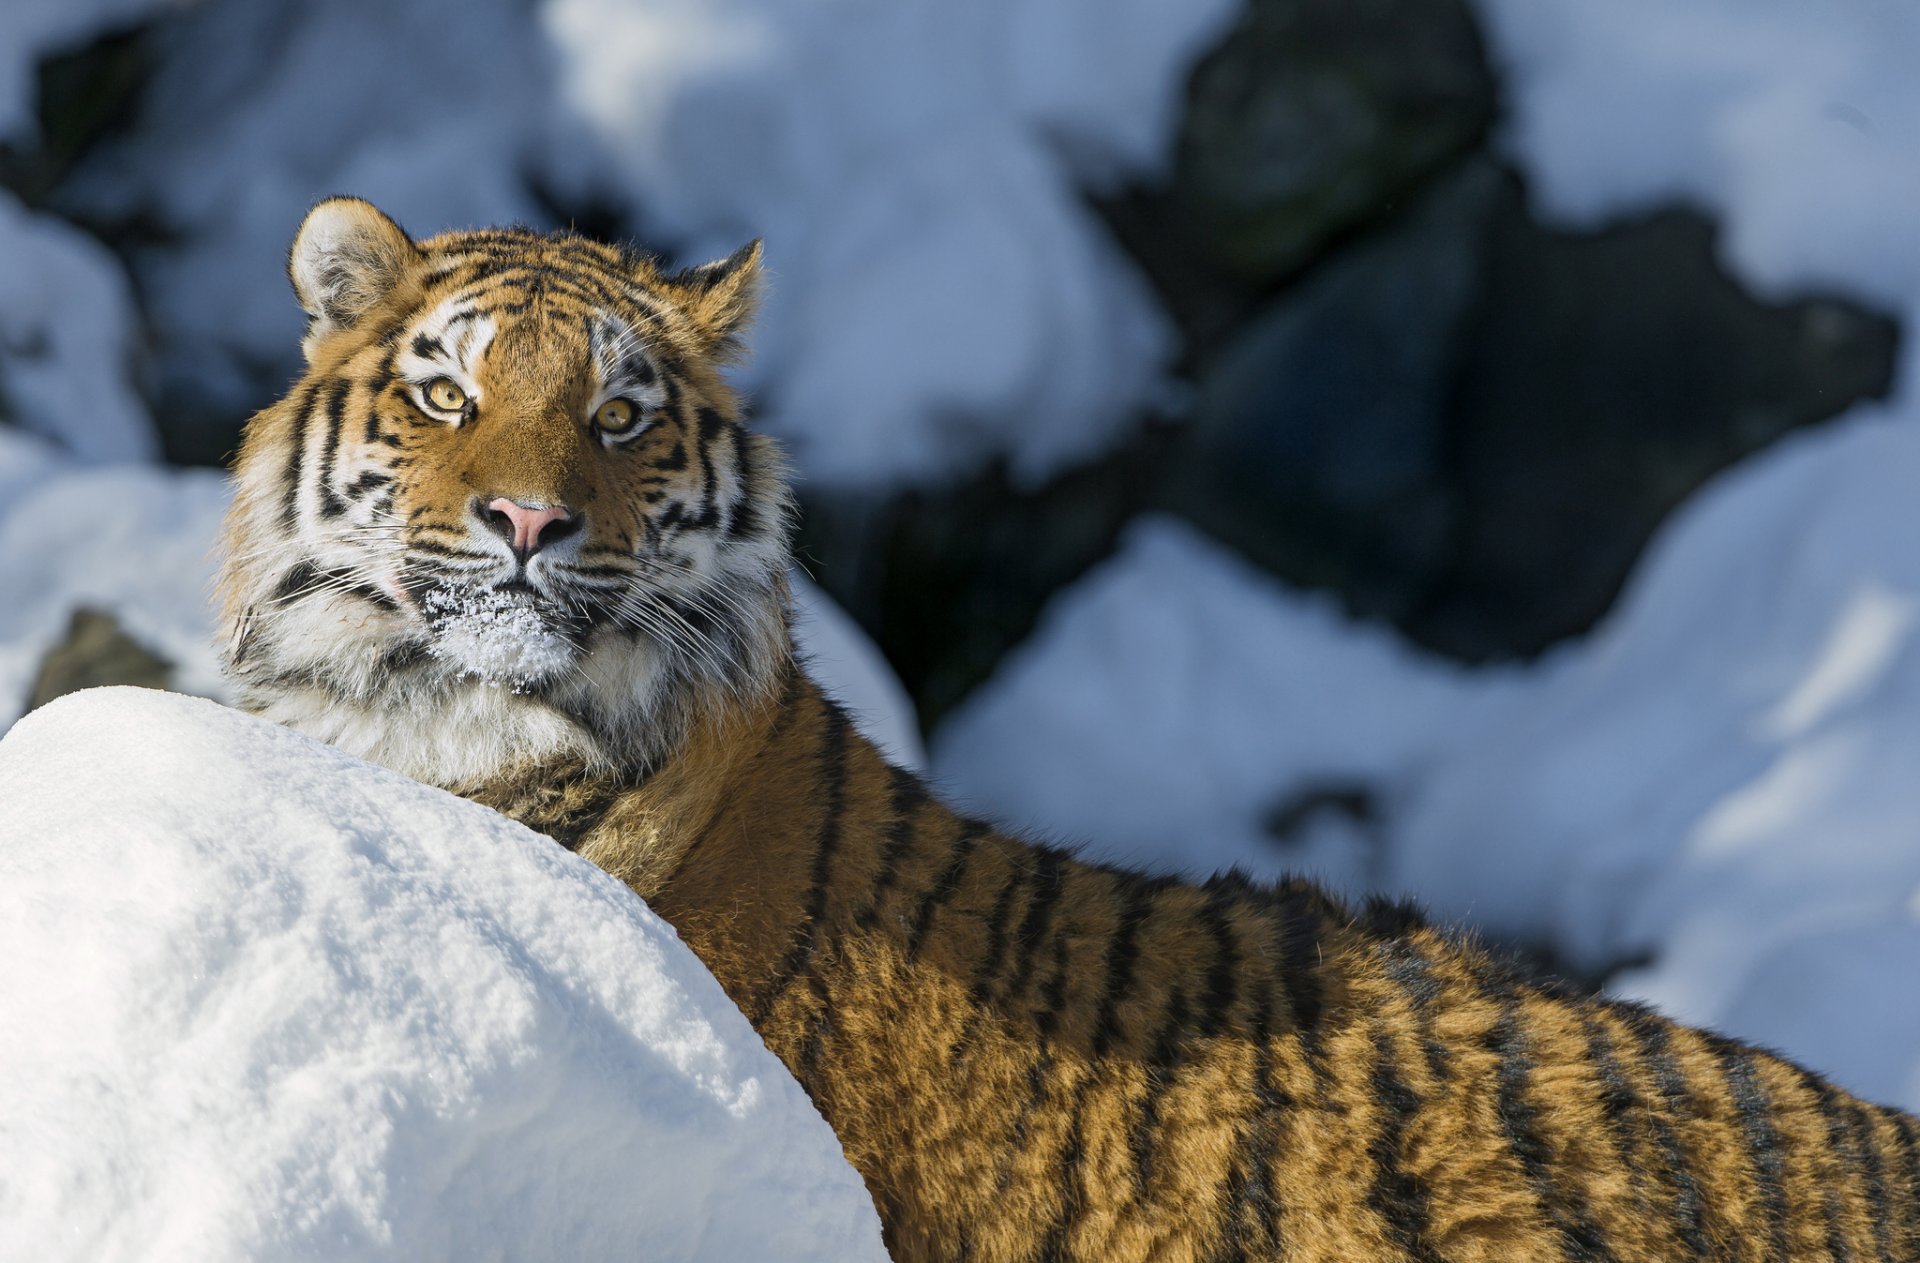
722	296
346	260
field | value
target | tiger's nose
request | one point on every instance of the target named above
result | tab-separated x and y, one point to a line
527	527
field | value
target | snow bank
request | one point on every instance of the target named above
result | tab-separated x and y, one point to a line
67	330
131	540
1174	698
848	665
267	1002
1797	125
940	294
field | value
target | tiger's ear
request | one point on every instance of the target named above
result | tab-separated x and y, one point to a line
345	259
722	296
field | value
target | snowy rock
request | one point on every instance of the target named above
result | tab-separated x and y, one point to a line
264	1001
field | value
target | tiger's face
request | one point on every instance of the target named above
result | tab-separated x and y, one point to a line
509	511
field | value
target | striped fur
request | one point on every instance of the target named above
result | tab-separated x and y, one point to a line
1033	1058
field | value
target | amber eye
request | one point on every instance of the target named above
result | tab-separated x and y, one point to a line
445	396
617	417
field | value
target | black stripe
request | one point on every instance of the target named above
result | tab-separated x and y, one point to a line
907	795
1223	976
297	454
1408	968
1396	1196
419	544
427	346
999	931
1565	1207
1050	882
834	767
1301	930
947	884
1866	1150
711	426
1618	1100
331	505
1123	956
1252	1197
746	515
1672	1100
1836	1144
366	482
1763	1142
1161	1068
306	579
1909	1144
1045	1021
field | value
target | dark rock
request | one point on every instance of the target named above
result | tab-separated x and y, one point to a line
1470	424
96	652
1312	119
1318	440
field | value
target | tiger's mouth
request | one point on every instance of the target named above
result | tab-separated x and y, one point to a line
508	634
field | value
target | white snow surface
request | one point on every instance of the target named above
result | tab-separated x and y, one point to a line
1176	697
940	294
134	541
67	333
265	1001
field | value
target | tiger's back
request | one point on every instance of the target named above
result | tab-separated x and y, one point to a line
510	535
1029	1057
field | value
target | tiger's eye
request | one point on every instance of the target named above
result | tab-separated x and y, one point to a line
443	394
616	416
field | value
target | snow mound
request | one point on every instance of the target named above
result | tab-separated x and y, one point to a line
67	330
1175	697
941	294
268	1002
1721	778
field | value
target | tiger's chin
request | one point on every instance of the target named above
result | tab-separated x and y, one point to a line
506	636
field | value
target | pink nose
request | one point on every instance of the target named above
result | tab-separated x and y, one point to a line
527	522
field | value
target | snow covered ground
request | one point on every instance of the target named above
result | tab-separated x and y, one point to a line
1720	780
267	1002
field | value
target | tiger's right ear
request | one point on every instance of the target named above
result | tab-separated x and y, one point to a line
345	259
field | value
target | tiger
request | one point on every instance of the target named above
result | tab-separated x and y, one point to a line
510	533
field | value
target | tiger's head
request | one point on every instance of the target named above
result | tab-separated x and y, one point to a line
509	512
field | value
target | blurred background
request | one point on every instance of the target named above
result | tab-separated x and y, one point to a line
1462	448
